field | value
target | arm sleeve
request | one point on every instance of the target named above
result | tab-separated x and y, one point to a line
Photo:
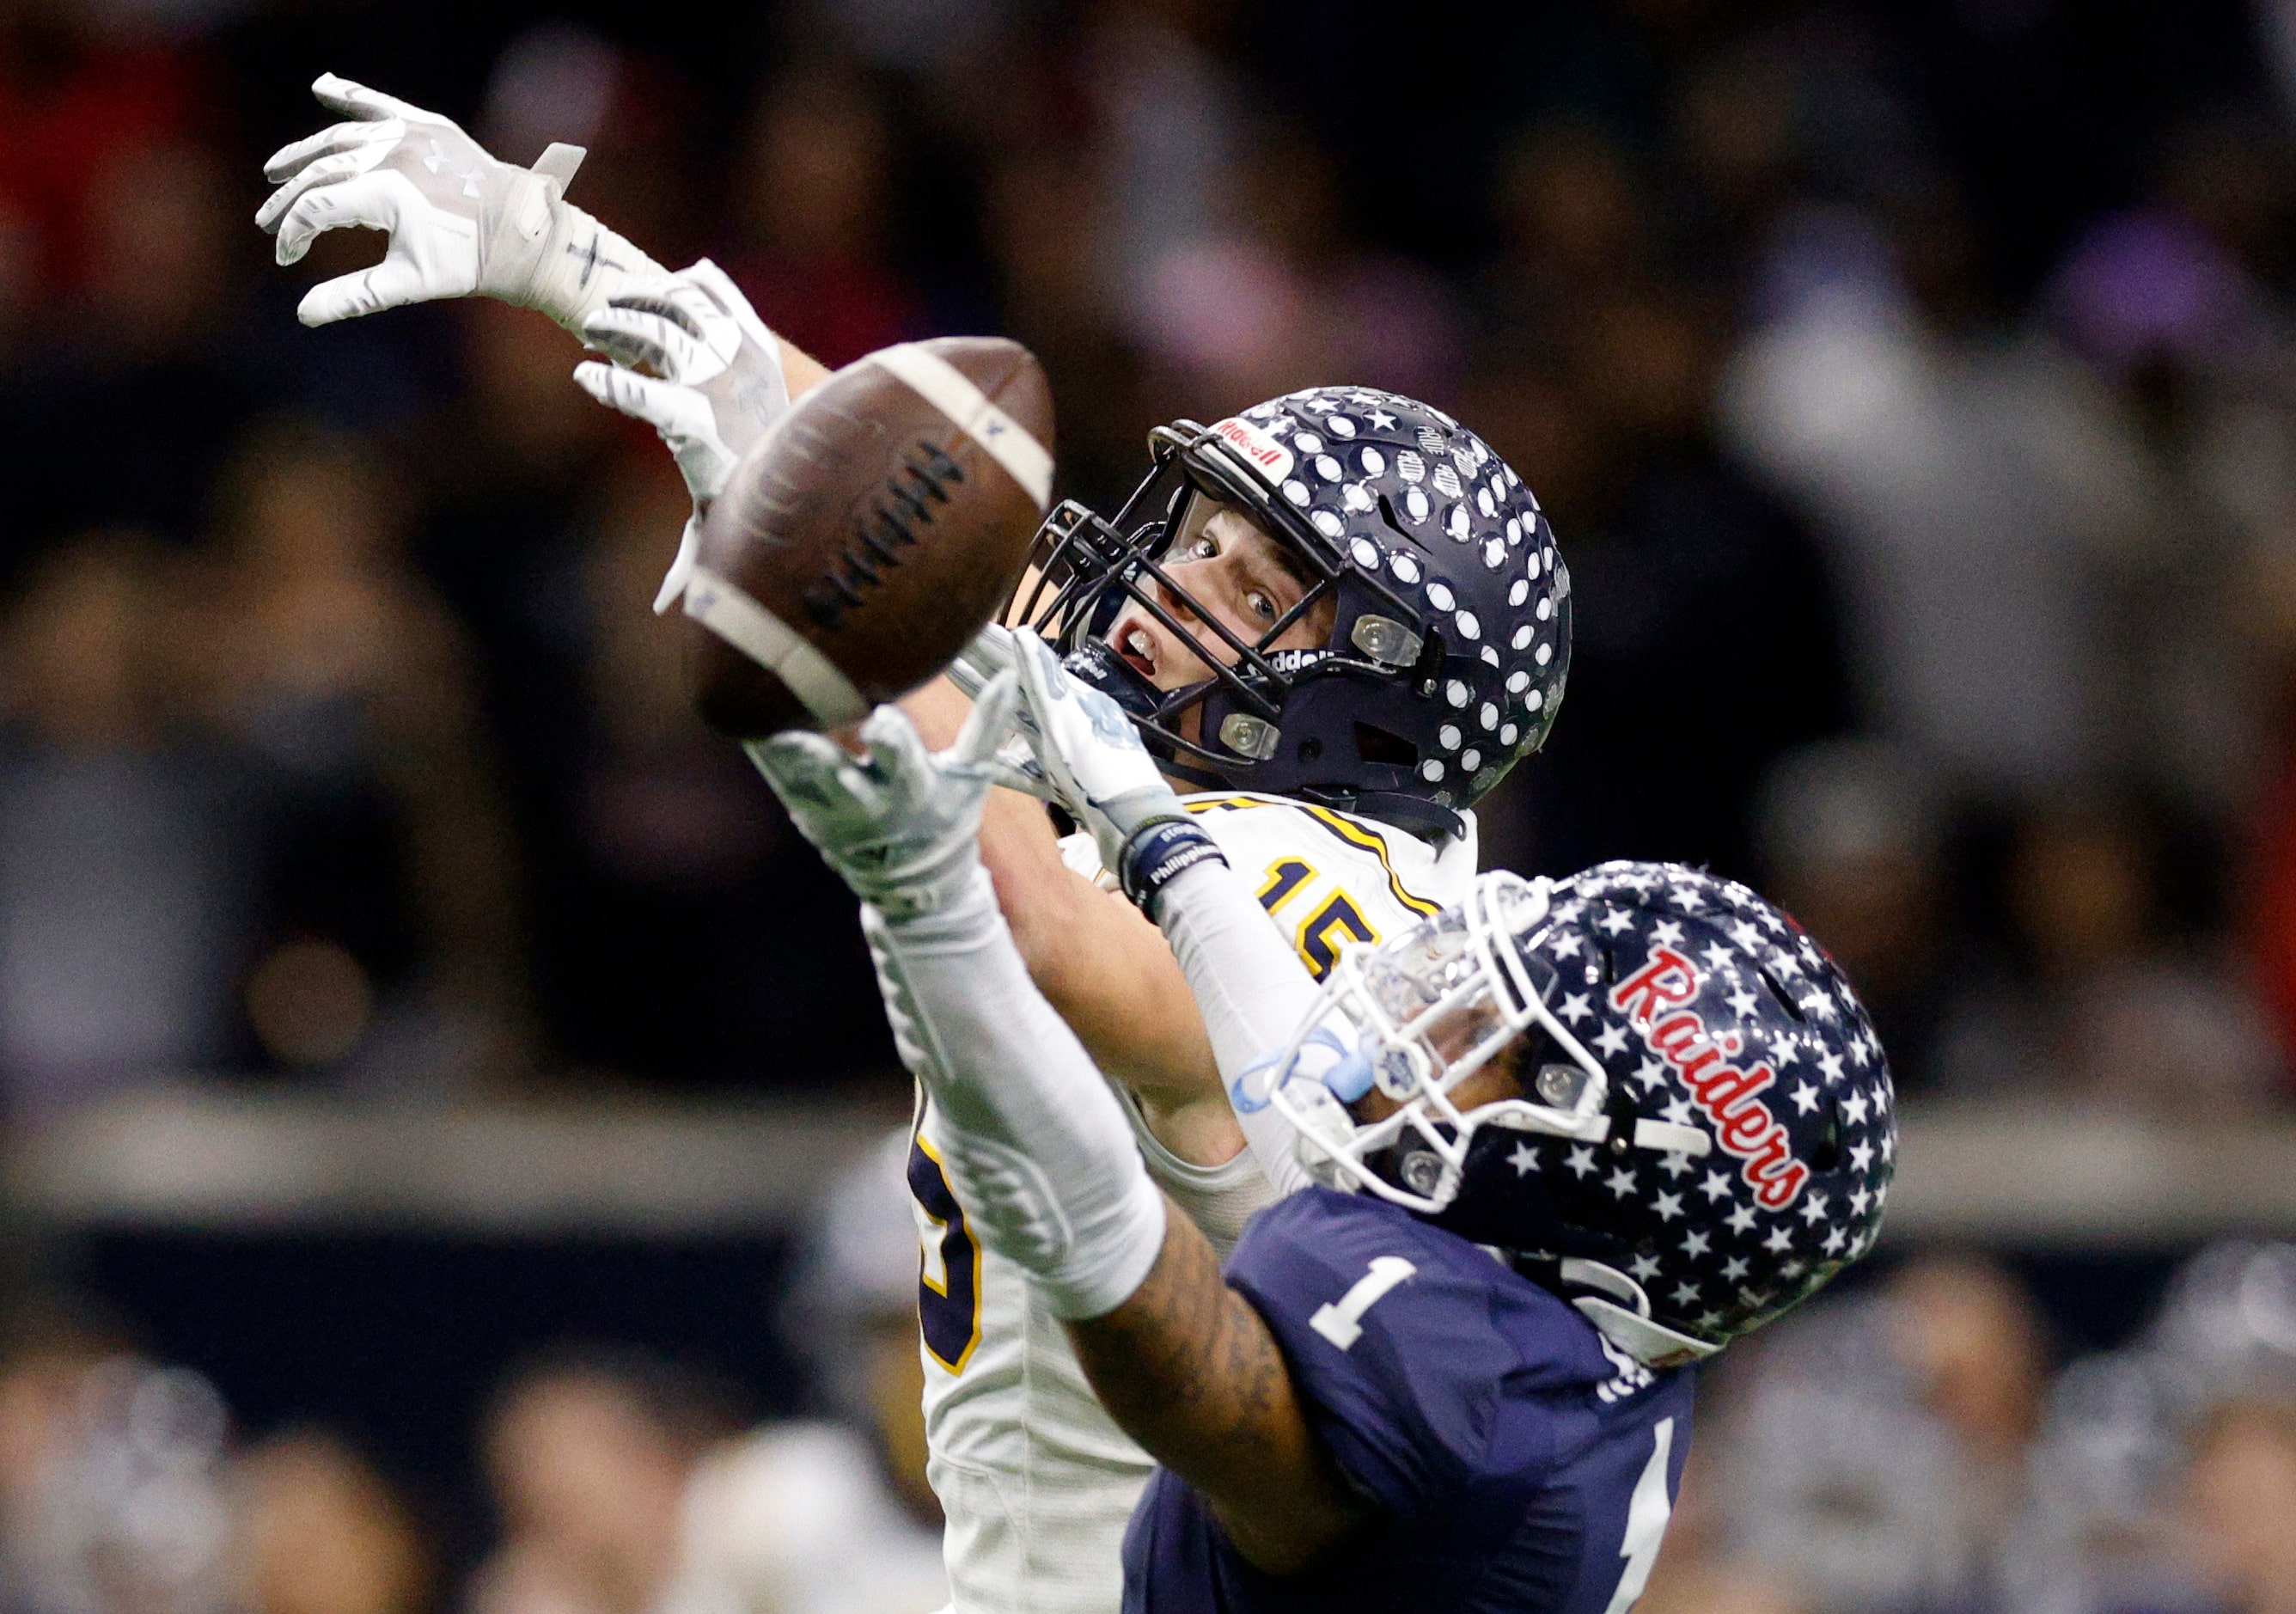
1249	987
1036	1146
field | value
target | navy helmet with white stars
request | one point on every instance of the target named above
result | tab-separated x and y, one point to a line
1699	1130
1450	634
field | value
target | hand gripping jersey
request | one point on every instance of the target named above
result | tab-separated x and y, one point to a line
1517	1460
1037	1482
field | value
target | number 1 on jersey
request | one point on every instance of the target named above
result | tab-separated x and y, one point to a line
1340	1321
1647	1513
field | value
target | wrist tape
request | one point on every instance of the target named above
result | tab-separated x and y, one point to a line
582	265
541	251
1159	853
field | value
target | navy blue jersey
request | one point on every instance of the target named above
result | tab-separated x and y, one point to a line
1516	1460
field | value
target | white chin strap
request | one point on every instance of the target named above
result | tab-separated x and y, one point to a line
1658	1138
1629	1326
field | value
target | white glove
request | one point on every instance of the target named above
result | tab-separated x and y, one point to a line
1089	752
990	652
901	825
717	388
459	220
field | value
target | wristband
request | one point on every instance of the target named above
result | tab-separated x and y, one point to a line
1159	853
538	250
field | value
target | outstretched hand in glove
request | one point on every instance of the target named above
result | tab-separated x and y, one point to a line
692	360
460	219
1089	752
900	824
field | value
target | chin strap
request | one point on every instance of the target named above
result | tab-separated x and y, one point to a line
1098	665
1596	1126
1414	814
1628	1326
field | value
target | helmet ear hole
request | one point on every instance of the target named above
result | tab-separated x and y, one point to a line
1396	525
1827	1155
1375	744
1784	997
1619	1109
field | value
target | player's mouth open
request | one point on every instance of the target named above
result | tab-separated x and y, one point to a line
1135	648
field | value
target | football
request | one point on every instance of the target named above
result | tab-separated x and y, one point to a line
878	528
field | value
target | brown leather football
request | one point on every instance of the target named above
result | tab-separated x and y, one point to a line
879	526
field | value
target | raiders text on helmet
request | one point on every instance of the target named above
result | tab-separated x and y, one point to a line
1705	1130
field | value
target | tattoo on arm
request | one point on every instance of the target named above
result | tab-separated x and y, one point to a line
1188	1369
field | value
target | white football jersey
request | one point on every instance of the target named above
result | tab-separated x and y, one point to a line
1037	1482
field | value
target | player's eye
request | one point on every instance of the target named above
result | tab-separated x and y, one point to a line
1203	549
1261	606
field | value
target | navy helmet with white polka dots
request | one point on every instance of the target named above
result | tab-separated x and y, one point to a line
1450	636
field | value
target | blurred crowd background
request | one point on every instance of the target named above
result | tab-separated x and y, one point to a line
1909	382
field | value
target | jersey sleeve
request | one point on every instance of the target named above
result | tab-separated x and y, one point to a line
1392	1333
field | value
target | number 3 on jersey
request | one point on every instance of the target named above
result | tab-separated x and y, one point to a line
948	1274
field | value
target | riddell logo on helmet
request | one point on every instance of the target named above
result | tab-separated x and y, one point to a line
1652	997
1271	459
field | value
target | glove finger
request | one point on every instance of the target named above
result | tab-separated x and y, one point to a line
706	308
353	100
660	304
685	357
895	750
288	159
809	773
651	338
706	338
681	569
597	380
392	283
1037	667
799	751
1029	648
707	277
970	679
1027	780
989	653
673	411
369	202
628	347
325	171
699	304
987	726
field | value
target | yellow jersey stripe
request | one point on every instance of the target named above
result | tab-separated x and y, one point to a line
1361	839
